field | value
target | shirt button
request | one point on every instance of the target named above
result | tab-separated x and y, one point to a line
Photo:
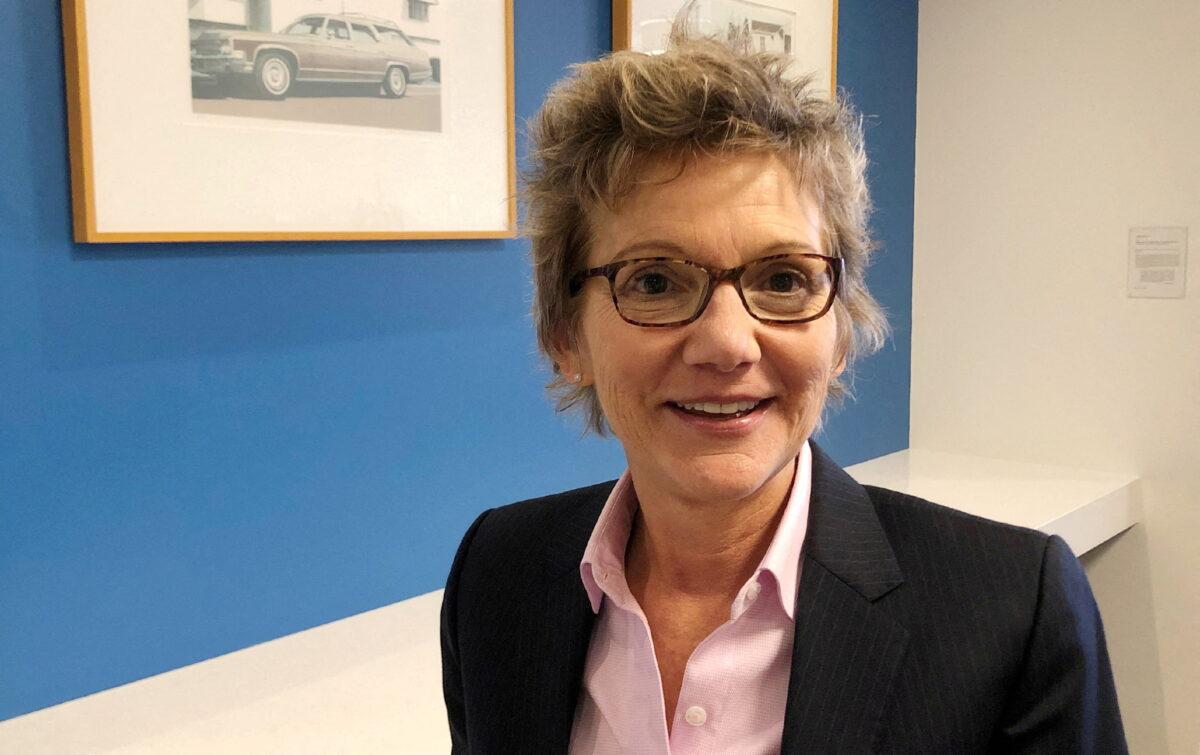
752	591
695	716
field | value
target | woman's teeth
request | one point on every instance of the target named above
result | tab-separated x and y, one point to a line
712	408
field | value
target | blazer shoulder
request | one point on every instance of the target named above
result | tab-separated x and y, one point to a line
941	549
526	537
902	511
547	514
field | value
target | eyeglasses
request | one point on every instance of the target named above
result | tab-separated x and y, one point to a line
658	292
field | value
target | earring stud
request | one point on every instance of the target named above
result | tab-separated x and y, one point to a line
576	378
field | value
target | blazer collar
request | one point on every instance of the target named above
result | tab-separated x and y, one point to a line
573	528
844	533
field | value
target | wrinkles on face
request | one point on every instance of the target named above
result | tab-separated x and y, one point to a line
720	213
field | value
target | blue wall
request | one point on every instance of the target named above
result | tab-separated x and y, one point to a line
203	447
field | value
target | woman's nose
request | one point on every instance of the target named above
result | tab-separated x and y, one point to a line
725	336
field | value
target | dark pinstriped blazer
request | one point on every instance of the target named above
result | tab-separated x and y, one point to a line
919	629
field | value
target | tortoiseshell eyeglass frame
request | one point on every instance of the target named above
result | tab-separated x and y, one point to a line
716	276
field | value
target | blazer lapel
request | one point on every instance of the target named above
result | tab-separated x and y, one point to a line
559	639
847	650
558	630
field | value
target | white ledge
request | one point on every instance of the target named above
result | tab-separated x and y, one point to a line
1083	507
371	683
366	684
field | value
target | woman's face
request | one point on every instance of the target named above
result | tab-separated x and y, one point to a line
719	213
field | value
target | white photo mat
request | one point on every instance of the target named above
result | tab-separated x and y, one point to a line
145	167
809	26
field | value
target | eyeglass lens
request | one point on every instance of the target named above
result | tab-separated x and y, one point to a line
661	292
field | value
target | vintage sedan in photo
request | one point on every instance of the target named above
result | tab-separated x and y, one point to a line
328	48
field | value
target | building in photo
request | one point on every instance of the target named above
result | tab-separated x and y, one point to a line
254	15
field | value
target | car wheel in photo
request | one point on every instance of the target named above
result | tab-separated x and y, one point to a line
395	82
273	75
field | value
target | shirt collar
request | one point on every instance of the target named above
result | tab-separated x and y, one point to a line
605	551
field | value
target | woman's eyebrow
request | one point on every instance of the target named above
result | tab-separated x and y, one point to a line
653	247
783	247
664	248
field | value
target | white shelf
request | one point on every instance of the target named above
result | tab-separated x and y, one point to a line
367	684
1084	507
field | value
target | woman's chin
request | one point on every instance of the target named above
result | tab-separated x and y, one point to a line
723	478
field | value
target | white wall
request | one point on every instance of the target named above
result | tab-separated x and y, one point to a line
1045	130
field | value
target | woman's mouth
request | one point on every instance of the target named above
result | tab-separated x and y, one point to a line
719	411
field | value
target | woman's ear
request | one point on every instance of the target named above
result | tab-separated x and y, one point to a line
565	355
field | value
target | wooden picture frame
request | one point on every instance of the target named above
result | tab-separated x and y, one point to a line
341	155
635	20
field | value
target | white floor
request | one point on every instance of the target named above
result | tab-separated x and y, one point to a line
371	683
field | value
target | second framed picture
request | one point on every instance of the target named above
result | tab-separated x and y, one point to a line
804	29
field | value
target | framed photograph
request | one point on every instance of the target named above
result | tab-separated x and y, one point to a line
220	120
804	29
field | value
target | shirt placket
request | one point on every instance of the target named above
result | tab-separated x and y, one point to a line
698	713
653	740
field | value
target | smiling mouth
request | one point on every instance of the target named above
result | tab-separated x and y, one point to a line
716	411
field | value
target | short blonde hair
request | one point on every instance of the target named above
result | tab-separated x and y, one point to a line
600	125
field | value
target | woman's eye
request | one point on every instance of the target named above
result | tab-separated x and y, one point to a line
652	283
783	283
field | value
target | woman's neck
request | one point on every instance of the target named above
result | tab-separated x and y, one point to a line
703	550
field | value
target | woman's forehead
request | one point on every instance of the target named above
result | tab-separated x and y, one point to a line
714	209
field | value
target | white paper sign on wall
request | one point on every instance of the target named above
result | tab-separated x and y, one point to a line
1158	262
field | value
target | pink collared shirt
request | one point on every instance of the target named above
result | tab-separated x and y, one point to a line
735	684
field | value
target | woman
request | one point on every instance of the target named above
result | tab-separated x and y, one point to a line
698	226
